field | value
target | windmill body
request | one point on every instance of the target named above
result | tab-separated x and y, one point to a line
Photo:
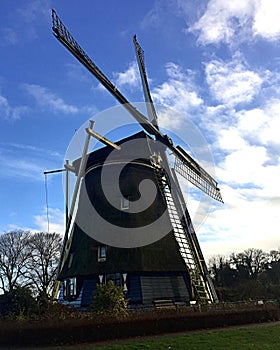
152	272
172	266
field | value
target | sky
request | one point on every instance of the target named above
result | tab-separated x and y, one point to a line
215	63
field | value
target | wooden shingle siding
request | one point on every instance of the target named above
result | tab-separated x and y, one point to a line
164	287
134	293
89	286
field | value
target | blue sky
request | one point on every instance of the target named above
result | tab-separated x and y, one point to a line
216	63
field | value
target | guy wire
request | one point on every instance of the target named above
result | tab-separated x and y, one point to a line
47	203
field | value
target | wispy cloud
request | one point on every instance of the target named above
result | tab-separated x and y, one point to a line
153	17
48	100
26	161
9	112
9	36
20	168
76	71
33	11
30	148
25	22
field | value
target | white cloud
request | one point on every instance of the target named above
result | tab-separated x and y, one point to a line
130	77
179	93
231	140
243	166
239	20
249	170
266	19
245	169
55	222
245	142
261	124
241	224
49	100
244	129
222	20
232	83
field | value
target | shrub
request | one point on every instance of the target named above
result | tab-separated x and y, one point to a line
17	303
109	300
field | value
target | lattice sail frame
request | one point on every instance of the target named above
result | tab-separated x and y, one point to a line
197	180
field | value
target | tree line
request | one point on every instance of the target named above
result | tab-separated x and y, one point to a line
251	274
29	260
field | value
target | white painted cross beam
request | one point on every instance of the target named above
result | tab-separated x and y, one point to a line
102	138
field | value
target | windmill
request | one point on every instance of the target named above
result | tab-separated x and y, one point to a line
146	278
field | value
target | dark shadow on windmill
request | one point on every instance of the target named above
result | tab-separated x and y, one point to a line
123	195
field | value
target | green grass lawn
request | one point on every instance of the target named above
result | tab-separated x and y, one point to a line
260	337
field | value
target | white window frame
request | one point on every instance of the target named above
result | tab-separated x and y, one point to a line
102	253
124	203
70	287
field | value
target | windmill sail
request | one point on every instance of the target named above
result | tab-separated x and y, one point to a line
65	37
148	99
194	173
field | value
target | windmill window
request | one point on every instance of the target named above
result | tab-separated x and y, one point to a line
102	253
124	203
70	287
116	278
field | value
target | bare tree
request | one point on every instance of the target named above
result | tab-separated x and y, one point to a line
43	262
14	255
29	260
255	260
249	263
221	271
